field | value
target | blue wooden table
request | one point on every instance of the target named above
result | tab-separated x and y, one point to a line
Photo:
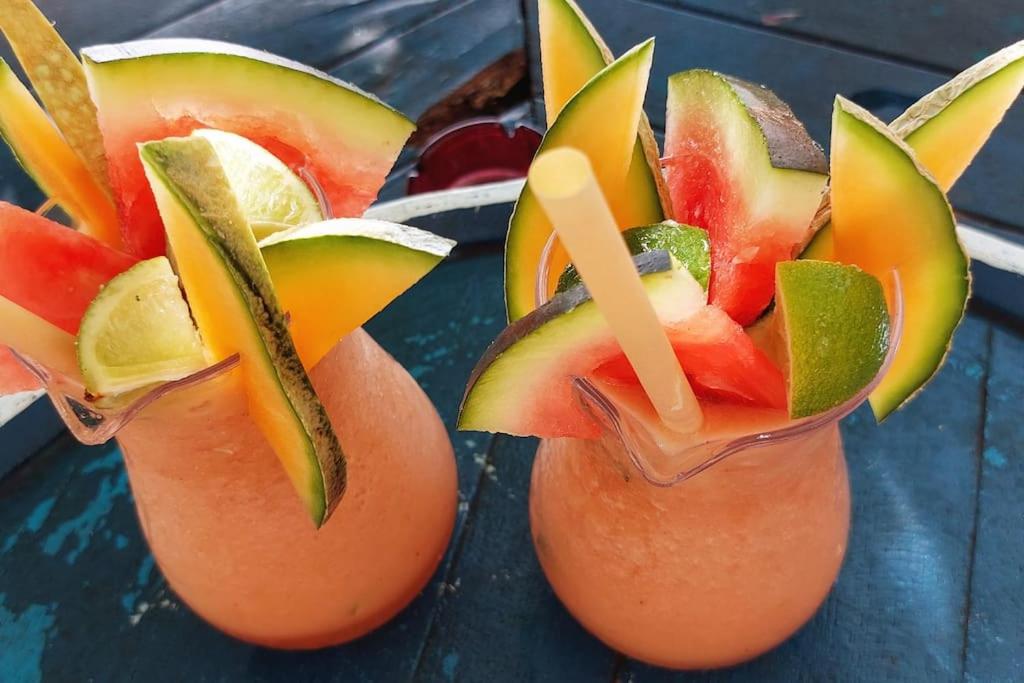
933	585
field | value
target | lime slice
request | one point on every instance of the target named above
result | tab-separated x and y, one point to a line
688	244
271	196
829	330
138	331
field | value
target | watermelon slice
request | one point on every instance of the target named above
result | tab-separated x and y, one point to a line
52	271
740	165
147	90
524	383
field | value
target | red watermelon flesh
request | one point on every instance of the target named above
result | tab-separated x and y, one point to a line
719	359
741	166
322	128
50	270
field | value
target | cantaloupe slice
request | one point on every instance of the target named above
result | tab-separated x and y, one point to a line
601	121
46	156
948	127
571	53
889	213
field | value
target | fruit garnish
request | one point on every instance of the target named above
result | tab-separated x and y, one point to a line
948	127
44	342
52	271
601	121
148	90
271	196
234	306
138	331
571	53
332	277
57	76
689	245
829	331
524	383
740	165
889	213
49	160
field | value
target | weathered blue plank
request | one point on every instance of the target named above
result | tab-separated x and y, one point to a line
897	610
498	619
806	74
995	643
415	70
949	34
316	32
81	598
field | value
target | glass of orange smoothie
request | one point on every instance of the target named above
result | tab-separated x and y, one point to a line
692	551
227	530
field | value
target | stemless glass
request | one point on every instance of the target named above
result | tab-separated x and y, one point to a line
228	530
693	551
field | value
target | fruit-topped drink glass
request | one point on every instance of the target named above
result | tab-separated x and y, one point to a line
296	486
224	523
692	551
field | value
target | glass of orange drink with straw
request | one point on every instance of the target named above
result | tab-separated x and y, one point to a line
687	328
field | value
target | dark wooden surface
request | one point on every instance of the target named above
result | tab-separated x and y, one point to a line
933	585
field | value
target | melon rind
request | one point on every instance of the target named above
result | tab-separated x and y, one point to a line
234	306
889	212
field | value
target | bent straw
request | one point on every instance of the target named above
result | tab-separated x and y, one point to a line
564	184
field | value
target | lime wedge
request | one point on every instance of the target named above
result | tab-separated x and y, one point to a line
270	195
829	331
689	245
138	331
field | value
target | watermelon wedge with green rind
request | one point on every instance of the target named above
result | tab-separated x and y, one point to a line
523	384
740	165
51	271
323	128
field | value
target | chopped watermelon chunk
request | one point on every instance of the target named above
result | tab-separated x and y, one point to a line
50	270
740	165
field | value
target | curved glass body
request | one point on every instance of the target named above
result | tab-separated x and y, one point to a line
229	532
693	551
705	573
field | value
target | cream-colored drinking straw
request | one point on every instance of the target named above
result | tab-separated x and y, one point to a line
563	182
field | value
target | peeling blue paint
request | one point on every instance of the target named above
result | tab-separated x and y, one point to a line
422	339
33	523
993	456
449	665
110	461
436	354
417	371
23	638
142	576
88	521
